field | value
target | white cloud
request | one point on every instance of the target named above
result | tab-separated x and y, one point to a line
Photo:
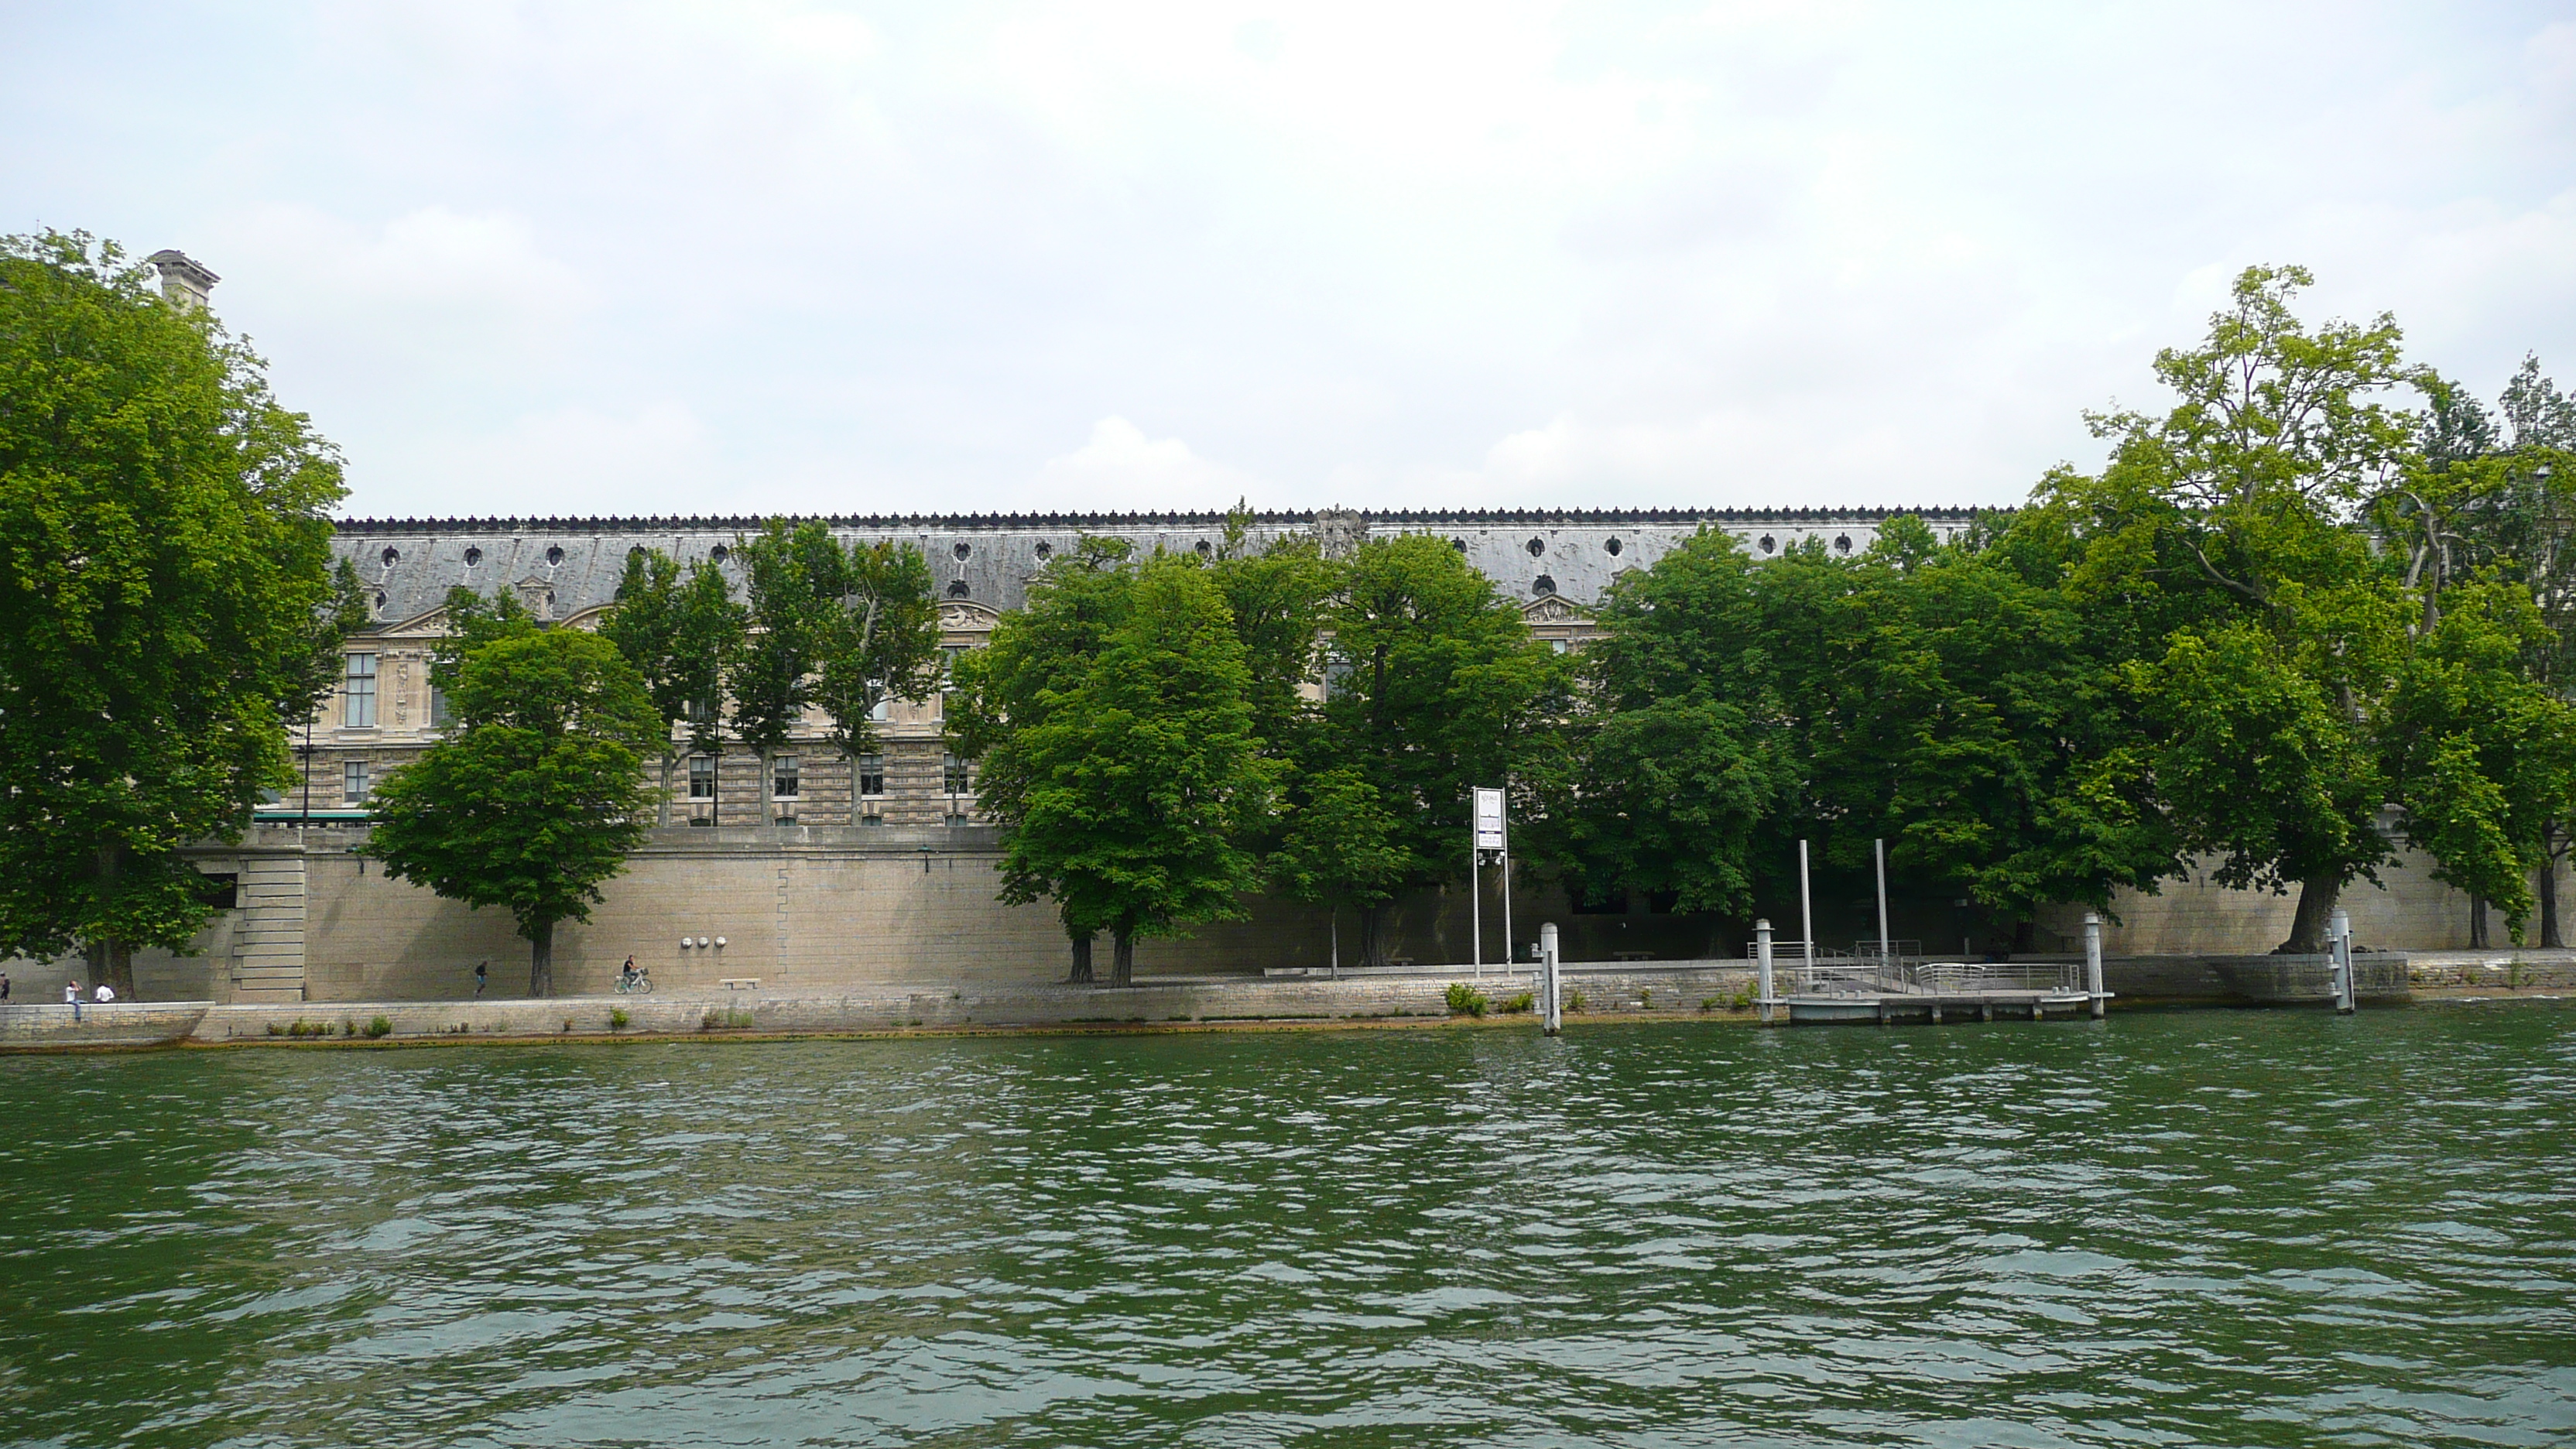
1120	462
1512	252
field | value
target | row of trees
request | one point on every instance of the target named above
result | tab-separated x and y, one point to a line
818	626
2288	603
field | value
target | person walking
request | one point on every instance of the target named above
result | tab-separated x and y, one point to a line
479	976
4	986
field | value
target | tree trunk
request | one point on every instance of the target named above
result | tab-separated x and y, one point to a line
2549	900
2308	926
1081	958
2477	922
1122	959
111	963
541	959
1372	937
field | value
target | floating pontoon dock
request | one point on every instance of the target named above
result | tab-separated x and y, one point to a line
1861	985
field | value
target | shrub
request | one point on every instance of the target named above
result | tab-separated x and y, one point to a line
1465	1000
1710	1003
1526	1001
1646	999
379	1026
1574	1001
617	1018
1744	1001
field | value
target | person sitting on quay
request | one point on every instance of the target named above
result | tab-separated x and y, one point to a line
71	993
106	993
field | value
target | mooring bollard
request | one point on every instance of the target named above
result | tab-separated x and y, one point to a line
1551	1013
2339	943
1762	968
2093	960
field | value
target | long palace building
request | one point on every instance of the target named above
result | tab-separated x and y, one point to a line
566	570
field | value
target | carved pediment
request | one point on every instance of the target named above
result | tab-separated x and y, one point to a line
966	615
1551	609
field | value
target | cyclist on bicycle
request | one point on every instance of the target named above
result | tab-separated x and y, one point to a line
626	976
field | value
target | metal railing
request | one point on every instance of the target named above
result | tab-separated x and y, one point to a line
1861	970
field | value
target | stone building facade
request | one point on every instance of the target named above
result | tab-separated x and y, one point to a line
1554	564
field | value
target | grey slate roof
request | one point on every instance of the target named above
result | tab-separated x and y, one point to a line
411	563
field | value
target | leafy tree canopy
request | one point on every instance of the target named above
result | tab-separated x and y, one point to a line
536	797
165	595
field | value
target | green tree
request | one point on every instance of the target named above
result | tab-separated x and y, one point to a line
1687	755
791	583
2227	519
707	637
1436	688
538	794
2482	756
876	639
165	585
1127	798
1035	663
645	626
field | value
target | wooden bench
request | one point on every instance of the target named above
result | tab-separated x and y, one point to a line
739	983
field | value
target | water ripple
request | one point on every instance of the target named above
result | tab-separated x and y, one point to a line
2259	1228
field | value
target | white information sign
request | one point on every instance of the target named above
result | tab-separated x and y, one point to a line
1489	819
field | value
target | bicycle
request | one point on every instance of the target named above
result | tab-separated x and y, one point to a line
640	984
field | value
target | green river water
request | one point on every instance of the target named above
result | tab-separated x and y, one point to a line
2194	1228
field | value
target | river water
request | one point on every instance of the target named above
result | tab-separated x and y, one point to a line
2204	1228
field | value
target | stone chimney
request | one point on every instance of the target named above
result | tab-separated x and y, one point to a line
183	281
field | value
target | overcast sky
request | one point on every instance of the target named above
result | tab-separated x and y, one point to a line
747	257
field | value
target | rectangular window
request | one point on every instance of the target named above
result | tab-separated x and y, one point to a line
702	777
353	781
437	708
360	688
1337	673
955	775
871	774
882	711
783	777
956	822
872	820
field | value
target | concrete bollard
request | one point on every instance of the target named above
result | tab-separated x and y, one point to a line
2093	961
1551	1010
1762	969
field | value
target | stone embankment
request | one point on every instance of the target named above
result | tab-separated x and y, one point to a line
1697	990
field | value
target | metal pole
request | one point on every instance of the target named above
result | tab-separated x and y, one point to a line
1337	943
1879	848
1476	897
1509	949
1762	967
2093	960
1551	1013
2339	928
1806	915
